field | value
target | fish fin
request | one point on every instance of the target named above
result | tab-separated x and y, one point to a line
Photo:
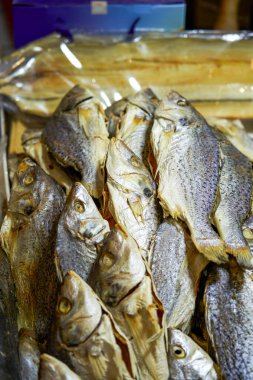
212	248
243	256
230	230
155	337
137	209
99	365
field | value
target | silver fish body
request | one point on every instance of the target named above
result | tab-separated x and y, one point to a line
27	236
136	122
77	136
188	159
80	228
176	266
235	189
229	310
132	191
187	360
53	369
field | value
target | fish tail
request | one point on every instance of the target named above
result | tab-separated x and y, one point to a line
212	248
243	256
235	243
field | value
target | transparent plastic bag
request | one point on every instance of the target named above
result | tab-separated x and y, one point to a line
213	70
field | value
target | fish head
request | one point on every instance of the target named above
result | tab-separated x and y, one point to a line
82	217
126	170
146	100
175	112
78	310
26	190
187	359
120	267
73	98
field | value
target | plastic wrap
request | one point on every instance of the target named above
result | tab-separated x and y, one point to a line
4	178
213	70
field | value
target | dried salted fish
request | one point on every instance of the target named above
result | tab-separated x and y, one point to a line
80	228
121	279
188	159
27	236
77	136
132	190
176	266
87	337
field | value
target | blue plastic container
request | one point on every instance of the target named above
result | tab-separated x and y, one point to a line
34	19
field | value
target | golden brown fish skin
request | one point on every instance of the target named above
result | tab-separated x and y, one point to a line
188	159
187	360
136	122
229	310
27	236
132	190
53	369
80	228
176	267
86	337
121	279
235	189
77	136
113	115
9	359
29	355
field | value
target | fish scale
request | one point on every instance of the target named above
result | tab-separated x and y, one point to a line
235	188
176	266
229	313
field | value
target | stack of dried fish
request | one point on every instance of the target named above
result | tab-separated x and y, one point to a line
127	245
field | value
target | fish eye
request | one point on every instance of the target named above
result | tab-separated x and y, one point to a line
179	352
28	210
106	260
147	192
182	102
79	206
64	306
135	161
28	179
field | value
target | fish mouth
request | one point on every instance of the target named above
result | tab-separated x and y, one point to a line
75	322
114	300
90	237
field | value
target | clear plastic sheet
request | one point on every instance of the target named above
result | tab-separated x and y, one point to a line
4	178
213	70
